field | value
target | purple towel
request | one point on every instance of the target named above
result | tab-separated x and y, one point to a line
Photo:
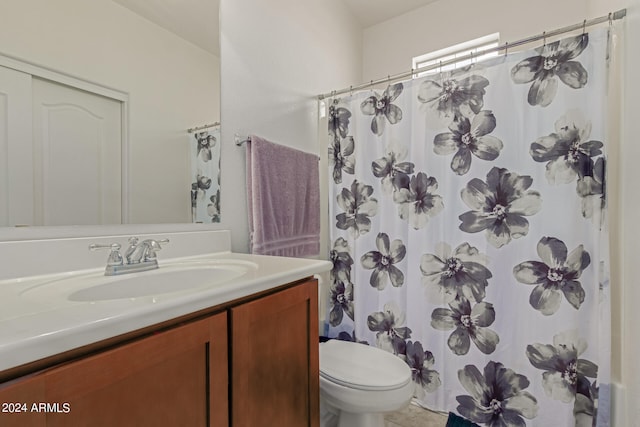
283	188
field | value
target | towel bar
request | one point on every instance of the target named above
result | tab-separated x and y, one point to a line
241	140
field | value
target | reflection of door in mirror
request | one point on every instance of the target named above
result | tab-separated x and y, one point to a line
74	140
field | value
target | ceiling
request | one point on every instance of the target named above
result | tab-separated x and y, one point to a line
197	20
194	20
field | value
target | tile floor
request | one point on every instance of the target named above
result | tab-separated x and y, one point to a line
415	416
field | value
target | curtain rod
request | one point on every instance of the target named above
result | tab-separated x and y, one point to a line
586	23
190	130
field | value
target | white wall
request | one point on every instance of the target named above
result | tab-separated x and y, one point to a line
629	235
276	57
172	84
603	7
388	47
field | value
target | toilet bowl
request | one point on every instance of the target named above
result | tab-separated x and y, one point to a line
359	383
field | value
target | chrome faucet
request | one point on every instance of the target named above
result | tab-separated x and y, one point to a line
140	256
143	251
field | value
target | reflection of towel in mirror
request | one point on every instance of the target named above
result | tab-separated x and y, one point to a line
283	188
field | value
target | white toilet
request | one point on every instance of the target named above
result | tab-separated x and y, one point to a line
359	383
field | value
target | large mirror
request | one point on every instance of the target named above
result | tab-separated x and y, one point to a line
97	101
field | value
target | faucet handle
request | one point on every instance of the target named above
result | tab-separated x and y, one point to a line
114	256
133	244
153	246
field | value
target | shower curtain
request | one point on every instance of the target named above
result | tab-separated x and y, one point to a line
469	233
205	173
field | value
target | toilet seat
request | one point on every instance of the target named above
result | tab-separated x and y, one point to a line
362	367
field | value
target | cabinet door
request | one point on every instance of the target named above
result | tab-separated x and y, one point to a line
274	359
17	400
177	377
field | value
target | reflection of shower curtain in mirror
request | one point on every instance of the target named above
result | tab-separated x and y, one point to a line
469	234
205	173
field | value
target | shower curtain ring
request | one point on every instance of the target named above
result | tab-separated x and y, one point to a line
506	48
610	20
544	38
584	27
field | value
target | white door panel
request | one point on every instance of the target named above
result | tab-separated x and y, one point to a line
16	149
60	153
77	156
77	143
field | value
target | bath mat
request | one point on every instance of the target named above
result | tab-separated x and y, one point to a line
457	421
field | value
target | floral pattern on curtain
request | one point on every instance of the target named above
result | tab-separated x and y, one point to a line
469	235
205	172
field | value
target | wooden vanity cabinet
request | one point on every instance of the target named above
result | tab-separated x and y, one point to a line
274	359
255	363
172	378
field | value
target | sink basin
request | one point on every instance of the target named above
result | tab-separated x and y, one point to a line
179	277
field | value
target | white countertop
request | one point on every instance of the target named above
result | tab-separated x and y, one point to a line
34	326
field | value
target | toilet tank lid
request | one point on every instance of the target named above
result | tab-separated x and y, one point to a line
361	366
